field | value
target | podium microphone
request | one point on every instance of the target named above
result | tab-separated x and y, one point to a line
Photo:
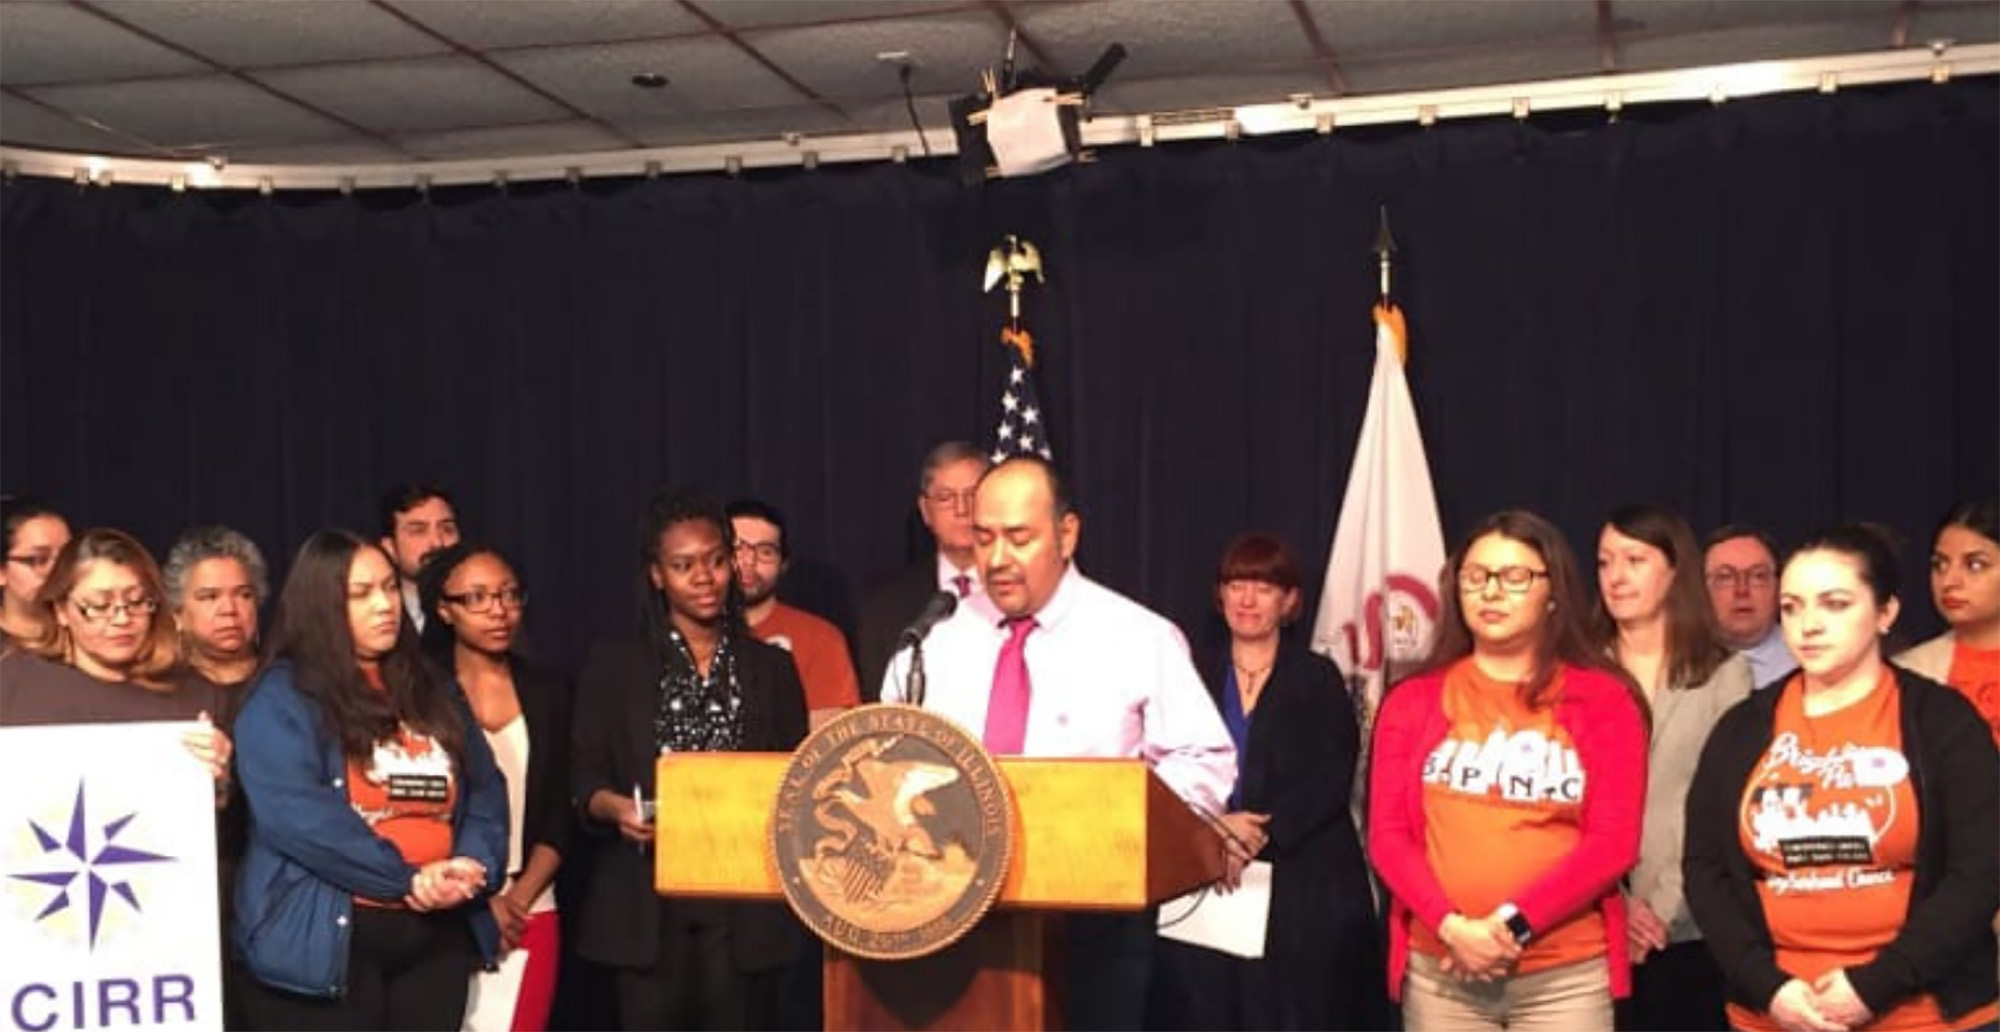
941	605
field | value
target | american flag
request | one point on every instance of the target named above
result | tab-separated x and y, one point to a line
1021	430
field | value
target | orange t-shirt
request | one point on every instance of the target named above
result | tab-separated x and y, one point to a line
1503	804
1976	674
819	651
405	789
1829	821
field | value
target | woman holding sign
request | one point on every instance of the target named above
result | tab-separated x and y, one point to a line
378	821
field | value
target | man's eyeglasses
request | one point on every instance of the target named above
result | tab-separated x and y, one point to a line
482	601
946	498
1730	577
1515	579
103	612
37	561
763	552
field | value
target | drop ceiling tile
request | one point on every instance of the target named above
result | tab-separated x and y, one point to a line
1151	96
1166	37
415	95
752	126
1966	25
486	24
245	33
26	124
1392	72
206	113
53	42
705	74
746	13
1360	28
515	141
1649	51
839	61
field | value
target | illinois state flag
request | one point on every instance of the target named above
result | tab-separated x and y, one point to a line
1379	602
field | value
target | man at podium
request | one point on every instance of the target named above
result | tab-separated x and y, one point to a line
1073	669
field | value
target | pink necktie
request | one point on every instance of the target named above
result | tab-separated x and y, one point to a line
1007	707
964	585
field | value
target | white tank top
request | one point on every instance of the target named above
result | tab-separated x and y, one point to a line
510	752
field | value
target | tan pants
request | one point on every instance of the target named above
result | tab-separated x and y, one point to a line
1572	998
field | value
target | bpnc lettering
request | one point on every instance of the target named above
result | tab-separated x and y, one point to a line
103	1003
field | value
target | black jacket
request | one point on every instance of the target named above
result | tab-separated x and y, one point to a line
1946	945
1299	766
885	611
618	921
545	705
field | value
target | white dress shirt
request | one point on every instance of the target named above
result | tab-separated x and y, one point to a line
1108	678
1769	658
975	598
413	604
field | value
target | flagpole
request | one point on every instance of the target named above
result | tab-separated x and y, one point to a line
1385	254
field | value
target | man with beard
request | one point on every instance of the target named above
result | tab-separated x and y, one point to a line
418	521
817	647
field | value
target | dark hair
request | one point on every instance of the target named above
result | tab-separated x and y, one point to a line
1262	557
310	629
17	509
1693	644
1052	476
402	498
945	454
437	636
1732	531
1982	517
665	510
1871	546
159	653
1565	638
751	508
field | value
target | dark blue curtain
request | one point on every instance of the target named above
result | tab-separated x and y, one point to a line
1784	310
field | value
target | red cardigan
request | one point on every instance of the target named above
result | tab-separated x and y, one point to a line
1604	722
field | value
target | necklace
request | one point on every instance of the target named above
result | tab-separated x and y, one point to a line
1250	681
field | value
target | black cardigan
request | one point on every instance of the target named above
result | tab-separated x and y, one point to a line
545	705
1946	945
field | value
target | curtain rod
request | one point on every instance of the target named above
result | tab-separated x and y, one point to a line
1301	113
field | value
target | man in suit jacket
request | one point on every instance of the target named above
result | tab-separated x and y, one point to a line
945	487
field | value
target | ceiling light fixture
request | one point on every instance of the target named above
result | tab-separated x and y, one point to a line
650	80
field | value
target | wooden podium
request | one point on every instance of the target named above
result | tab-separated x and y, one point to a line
1089	835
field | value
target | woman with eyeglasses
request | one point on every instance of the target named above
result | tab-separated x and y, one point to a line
378	820
473	604
1965	586
1843	828
35	533
1506	790
216	582
1654	618
691	680
103	656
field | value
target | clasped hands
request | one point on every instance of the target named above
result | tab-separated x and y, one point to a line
1478	949
1826	1004
1244	838
443	884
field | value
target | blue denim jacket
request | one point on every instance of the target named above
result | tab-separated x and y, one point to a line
309	854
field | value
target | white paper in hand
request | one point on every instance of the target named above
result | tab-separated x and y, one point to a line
1232	924
489	1004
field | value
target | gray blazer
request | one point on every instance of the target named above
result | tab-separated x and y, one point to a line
1682	718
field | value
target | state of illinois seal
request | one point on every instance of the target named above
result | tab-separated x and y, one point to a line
892	832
